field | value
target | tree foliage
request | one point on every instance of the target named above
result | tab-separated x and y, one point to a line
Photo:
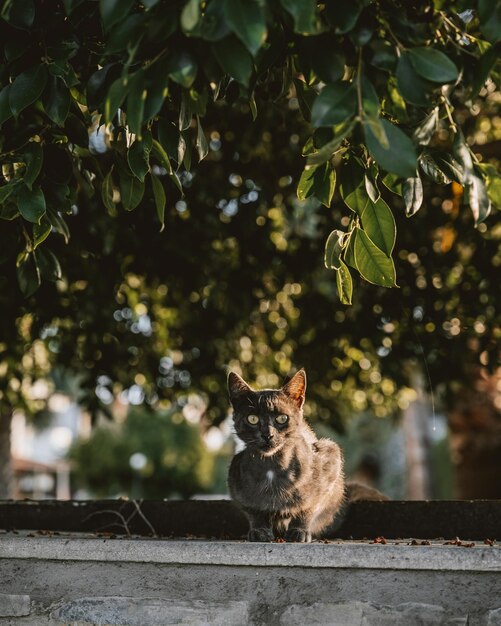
175	459
107	100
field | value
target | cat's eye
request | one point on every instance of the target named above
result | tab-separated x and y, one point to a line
253	419
282	419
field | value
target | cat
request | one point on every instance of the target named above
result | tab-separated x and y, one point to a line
288	483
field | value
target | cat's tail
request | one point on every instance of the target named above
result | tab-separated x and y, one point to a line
353	492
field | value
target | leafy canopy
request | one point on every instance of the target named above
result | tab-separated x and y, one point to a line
108	98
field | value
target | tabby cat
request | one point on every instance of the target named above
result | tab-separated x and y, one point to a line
289	483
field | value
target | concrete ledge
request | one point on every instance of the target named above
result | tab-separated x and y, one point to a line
341	555
155	582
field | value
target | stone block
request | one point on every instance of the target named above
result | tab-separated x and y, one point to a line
320	614
151	612
494	617
14	605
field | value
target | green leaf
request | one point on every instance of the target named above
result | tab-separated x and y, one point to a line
135	102
477	198
352	186
493	182
28	276
433	65
114	11
31	204
57	101
160	199
5	111
107	192
247	20
413	195
400	155
182	69
138	158
349	250
343	15
424	132
27	88
393	183
489	12
115	98
131	192
201	144
49	266
161	156
33	157
335	104
6	190
305	97
486	63
411	86
304	14
462	153
373	265
379	224
318	181
341	132
190	16
441	167
58	224
344	284
41	232
333	249
21	13
234	59
371	186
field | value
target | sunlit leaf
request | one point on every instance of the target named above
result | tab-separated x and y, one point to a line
160	199
344	284
373	265
333	249
400	155
413	195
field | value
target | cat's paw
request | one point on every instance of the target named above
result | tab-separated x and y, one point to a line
260	534
298	535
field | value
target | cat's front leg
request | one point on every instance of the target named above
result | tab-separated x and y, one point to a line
260	526
299	529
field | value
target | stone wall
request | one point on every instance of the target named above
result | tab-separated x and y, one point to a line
151	582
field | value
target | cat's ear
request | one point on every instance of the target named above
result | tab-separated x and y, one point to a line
296	388
237	386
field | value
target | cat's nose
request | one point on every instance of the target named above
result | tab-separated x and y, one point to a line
267	437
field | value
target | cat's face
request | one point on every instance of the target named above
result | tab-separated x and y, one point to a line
264	420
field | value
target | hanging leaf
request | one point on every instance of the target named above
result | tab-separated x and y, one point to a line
57	100
234	59
379	224
462	153
48	263
138	156
190	16
5	110
393	183
33	156
247	20
349	250
182	69
107	192
41	232
344	284
432	170
131	192
160	199
334	105
333	249
489	12
411	86
400	155
31	204
413	195
201	144
135	102
113	11
433	65
373	265
28	276
341	132
371	187
352	186
303	12
27	88
425	131
115	98
477	198
318	181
